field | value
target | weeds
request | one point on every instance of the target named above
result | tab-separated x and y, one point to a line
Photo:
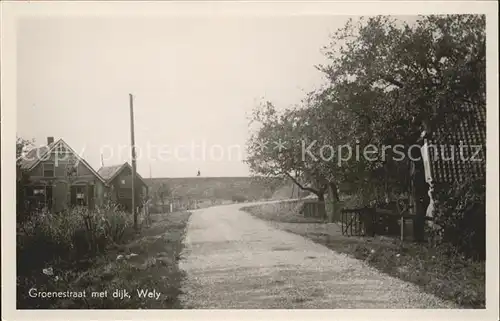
76	235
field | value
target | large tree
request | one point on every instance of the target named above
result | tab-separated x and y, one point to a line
22	145
399	78
387	81
276	148
428	69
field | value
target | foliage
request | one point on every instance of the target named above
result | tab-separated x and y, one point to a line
266	155
388	80
22	145
69	235
70	239
460	213
163	192
147	261
394	78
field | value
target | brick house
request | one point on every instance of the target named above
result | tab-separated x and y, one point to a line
58	178
119	185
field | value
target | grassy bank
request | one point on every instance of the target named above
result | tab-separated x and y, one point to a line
437	270
144	262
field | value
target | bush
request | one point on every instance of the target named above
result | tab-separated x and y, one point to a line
64	240
460	214
69	235
239	199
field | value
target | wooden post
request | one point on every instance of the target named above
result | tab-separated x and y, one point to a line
132	139
402	227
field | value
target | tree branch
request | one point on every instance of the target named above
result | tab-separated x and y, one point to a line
304	188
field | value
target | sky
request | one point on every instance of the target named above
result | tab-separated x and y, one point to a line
194	83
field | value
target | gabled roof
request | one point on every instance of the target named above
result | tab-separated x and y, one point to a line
447	163
34	156
110	172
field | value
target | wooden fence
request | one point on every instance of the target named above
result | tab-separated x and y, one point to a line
369	221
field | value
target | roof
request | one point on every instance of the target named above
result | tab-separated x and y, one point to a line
110	172
34	156
458	152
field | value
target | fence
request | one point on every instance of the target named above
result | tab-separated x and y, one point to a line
358	222
370	221
314	209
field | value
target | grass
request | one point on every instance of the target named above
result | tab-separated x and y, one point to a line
286	212
437	270
149	261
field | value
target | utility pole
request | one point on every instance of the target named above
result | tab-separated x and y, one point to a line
150	178
132	139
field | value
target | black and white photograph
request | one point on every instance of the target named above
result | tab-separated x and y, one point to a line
291	162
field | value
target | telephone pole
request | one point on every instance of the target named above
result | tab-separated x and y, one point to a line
132	139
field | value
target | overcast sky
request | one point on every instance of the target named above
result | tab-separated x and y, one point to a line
194	80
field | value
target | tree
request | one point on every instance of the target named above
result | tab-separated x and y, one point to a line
418	75
163	193
422	75
276	149
22	178
428	70
387	81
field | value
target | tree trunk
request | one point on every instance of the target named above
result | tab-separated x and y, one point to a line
420	200
335	206
321	205
334	192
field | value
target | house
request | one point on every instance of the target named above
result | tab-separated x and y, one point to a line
119	185
455	152
57	178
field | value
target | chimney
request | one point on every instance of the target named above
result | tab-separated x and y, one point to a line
50	140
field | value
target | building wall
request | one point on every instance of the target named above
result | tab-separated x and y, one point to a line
61	183
121	189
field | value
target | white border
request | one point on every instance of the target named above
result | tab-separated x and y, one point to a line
12	11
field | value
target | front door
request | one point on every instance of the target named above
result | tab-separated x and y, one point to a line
60	194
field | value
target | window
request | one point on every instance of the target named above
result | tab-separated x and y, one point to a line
61	151
78	195
48	170
38	191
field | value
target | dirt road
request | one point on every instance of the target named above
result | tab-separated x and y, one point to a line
235	261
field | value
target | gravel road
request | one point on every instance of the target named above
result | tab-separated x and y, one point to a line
235	261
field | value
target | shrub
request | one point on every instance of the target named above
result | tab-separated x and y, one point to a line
69	238
69	235
460	214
